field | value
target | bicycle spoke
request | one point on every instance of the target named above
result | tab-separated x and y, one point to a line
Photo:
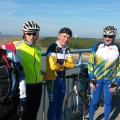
73	108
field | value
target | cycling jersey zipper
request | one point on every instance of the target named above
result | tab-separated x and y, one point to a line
34	67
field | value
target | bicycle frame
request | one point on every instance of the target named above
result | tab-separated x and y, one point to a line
77	99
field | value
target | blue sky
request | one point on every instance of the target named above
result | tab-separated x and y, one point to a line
86	18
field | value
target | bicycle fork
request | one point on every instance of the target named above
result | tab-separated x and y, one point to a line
76	99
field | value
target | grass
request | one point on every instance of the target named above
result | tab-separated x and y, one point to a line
75	43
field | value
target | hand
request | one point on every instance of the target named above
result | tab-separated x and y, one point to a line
61	67
112	87
78	64
93	85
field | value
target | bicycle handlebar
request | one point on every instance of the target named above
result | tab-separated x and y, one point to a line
81	64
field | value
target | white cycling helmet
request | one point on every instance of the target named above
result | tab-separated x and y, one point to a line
110	30
30	26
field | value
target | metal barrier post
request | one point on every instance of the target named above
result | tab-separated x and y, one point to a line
67	86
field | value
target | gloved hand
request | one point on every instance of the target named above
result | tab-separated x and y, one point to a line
78	64
93	85
112	87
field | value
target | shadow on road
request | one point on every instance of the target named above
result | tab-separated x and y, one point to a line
115	110
100	117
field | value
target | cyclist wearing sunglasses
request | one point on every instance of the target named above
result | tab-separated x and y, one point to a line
103	69
29	56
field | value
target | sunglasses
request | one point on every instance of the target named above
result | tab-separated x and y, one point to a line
34	34
109	36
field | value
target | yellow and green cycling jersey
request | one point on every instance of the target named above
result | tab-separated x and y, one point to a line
104	62
30	58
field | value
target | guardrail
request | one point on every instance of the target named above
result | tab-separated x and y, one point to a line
73	51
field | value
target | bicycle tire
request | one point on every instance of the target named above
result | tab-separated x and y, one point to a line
73	111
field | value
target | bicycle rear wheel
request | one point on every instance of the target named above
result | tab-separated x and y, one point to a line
74	106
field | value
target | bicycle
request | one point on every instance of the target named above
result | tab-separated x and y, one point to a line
76	103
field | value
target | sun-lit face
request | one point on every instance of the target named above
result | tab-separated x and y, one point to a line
31	37
108	39
63	39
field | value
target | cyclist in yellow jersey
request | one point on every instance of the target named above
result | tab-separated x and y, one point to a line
58	58
29	56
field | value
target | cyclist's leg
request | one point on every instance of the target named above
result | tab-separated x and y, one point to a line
107	99
60	93
34	93
51	97
94	99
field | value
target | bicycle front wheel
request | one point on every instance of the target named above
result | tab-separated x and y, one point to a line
73	106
